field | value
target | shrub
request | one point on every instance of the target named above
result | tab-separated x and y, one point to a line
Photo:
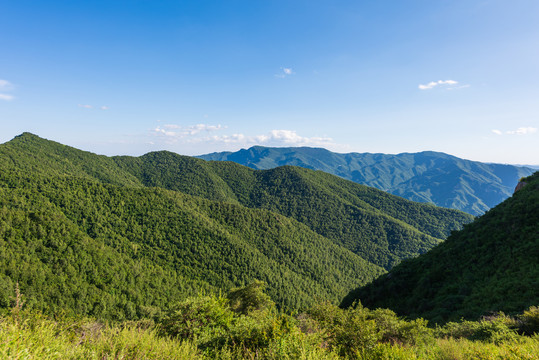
250	298
206	320
529	321
496	329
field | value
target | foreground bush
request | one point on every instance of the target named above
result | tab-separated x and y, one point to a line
245	324
32	336
360	332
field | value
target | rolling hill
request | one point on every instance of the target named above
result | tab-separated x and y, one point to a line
432	177
124	237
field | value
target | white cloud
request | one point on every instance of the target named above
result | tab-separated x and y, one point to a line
85	106
272	138
204	133
433	84
104	107
6	86
179	132
522	131
6	97
284	72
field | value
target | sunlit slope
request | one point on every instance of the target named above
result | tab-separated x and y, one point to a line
68	238
380	227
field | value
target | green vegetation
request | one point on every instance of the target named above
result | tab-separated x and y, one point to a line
489	266
91	247
149	257
428	176
244	324
121	238
118	252
381	228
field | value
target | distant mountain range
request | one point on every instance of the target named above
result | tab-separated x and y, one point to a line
491	265
124	237
432	177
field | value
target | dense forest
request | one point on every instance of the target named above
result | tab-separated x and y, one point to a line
121	238
428	176
491	265
169	257
381	228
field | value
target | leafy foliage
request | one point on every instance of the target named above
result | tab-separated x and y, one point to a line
205	327
489	266
381	228
78	243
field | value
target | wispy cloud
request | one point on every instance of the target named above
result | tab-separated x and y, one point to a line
450	84
6	86
284	72
87	106
6	97
203	133
520	131
180	132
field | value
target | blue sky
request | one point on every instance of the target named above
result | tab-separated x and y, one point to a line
128	77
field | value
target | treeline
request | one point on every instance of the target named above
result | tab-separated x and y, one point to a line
427	176
77	227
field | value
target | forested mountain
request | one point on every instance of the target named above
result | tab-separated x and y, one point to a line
433	177
490	265
91	247
124	237
380	227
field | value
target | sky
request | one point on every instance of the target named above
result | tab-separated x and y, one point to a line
194	77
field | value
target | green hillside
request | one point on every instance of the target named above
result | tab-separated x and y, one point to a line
382	228
167	221
71	240
431	177
490	265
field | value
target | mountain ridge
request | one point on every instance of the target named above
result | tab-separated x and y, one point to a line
429	176
180	218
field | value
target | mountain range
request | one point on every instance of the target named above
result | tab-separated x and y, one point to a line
431	177
125	237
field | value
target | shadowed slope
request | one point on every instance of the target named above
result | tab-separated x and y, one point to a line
490	265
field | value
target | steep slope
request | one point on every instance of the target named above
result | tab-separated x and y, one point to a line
69	240
382	228
433	177
32	154
490	265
